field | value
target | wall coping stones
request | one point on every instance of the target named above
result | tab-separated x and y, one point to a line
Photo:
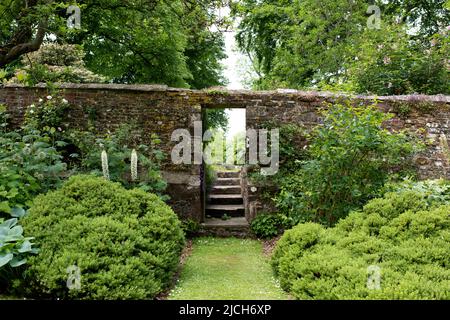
294	94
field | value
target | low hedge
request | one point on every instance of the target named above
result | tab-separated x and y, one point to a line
126	243
404	234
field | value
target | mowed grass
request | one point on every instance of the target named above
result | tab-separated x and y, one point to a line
227	269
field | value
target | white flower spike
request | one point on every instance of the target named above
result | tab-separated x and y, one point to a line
105	166
134	164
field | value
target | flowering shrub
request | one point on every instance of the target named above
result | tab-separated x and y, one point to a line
46	115
55	63
119	157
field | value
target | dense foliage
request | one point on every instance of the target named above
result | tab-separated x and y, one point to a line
119	147
292	138
38	156
167	42
14	247
29	165
126	243
335	44
405	235
350	158
82	149
55	63
389	63
267	225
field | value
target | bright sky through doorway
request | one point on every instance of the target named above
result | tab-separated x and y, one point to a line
233	65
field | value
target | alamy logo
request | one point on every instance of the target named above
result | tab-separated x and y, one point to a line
373	277
189	150
74	278
374	21
74	20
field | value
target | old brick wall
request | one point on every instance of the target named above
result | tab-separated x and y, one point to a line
160	110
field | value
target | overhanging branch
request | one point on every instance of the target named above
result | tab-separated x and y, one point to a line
12	53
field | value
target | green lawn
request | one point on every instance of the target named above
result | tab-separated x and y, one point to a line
227	269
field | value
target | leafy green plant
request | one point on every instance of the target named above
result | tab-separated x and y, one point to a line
403	234
47	114
3	75
29	165
119	147
14	252
14	247
210	175
126	243
351	157
267	225
190	227
433	191
225	217
292	138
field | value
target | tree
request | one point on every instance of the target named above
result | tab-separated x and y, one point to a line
23	27
55	63
132	41
317	44
391	63
429	17
297	43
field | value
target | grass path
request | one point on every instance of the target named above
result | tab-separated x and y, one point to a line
227	269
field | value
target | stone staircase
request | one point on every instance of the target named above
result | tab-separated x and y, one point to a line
225	201
225	197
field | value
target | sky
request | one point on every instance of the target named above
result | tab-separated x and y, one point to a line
234	66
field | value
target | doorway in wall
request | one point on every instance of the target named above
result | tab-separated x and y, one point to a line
224	150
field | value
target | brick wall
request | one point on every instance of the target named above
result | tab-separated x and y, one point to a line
160	110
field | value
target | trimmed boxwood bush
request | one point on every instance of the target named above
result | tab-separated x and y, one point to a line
126	243
404	234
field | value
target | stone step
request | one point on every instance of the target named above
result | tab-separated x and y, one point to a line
228	174
226	190
227	182
225	207
225	199
234	227
219	210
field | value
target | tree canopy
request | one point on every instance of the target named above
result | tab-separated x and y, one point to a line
133	41
329	44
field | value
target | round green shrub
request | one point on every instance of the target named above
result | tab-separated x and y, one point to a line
267	225
126	243
402	234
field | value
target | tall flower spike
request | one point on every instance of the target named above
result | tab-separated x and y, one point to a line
105	166
134	164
